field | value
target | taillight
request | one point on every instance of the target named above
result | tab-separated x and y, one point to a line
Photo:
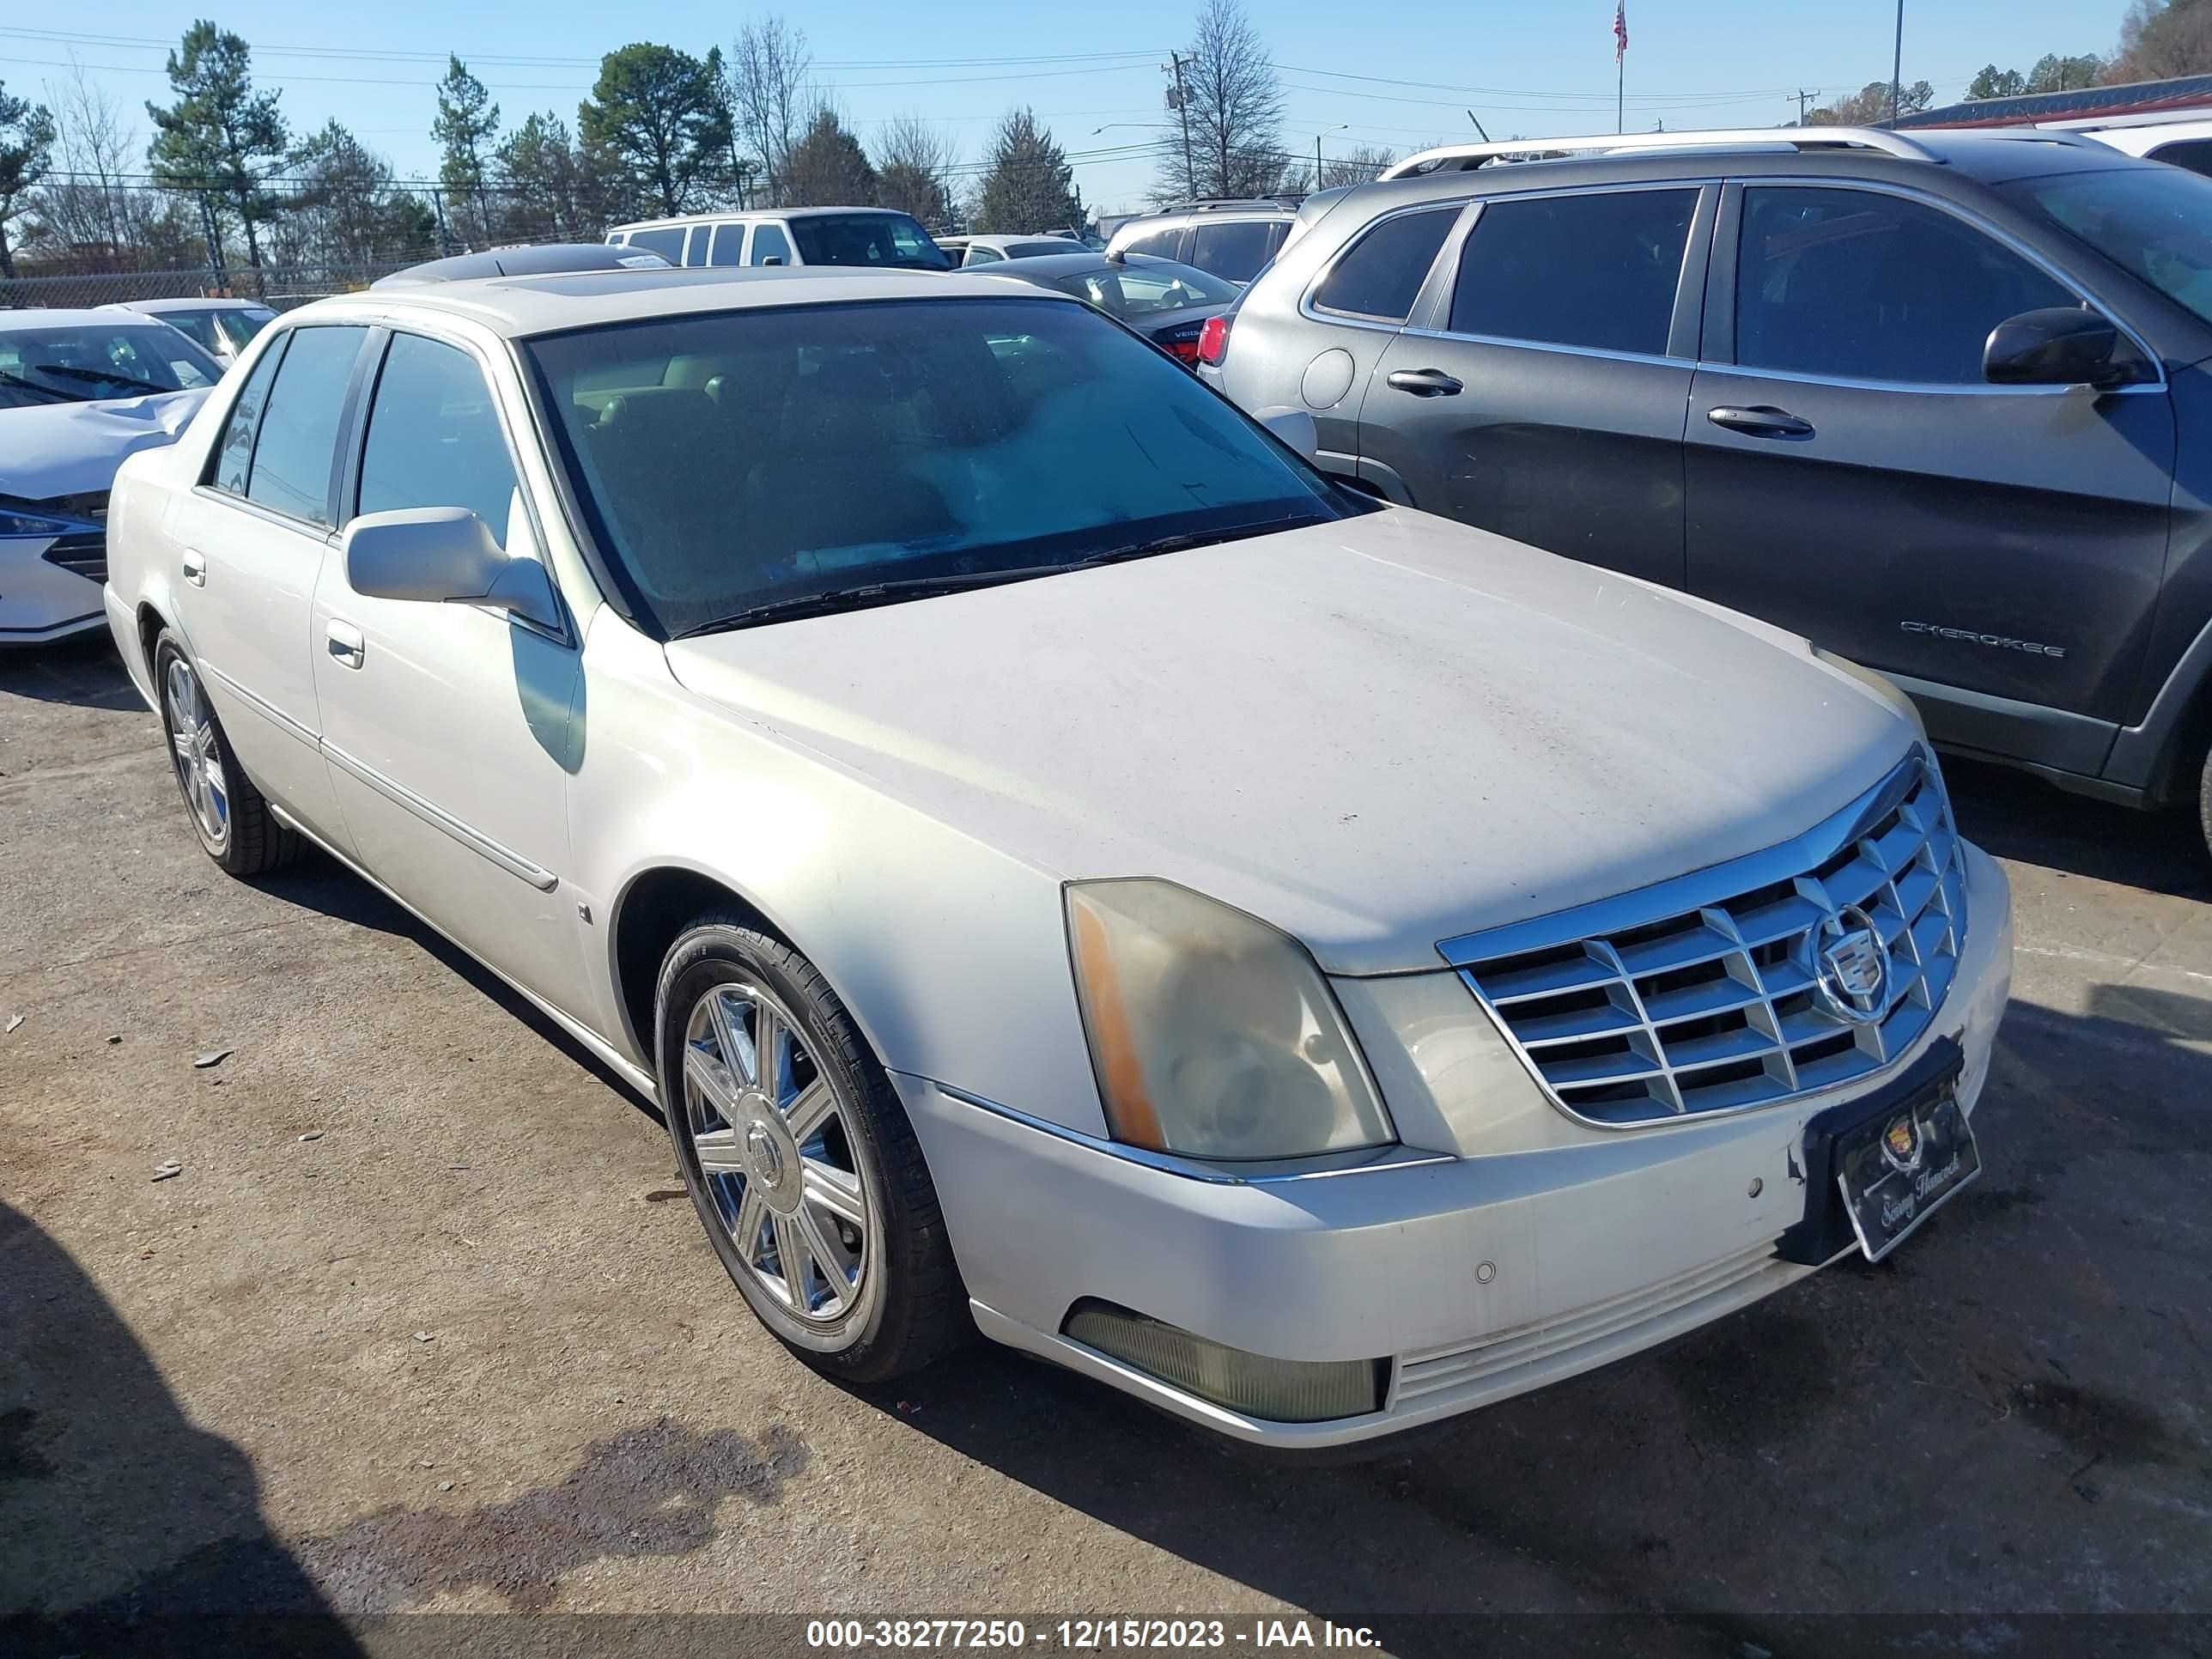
1214	341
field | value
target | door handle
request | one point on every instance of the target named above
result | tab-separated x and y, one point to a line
195	566
1760	421
1424	382
346	644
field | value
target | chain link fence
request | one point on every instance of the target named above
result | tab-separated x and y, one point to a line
281	286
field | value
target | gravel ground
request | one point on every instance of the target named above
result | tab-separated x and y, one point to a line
424	1323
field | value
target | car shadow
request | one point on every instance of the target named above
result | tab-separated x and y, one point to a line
84	670
2012	814
130	1531
1939	1426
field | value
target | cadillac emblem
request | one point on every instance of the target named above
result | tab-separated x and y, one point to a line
1901	1145
1850	966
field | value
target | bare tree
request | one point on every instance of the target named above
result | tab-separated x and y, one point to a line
914	161
771	100
89	212
2160	39
1234	105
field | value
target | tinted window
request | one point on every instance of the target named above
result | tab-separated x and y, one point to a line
729	247
769	243
433	437
1039	250
1235	250
240	326
867	239
292	457
2155	223
1382	274
1160	243
1597	271
878	442
695	250
198	326
1869	287
668	243
234	460
2195	153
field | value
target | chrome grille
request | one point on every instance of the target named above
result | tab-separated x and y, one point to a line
1706	994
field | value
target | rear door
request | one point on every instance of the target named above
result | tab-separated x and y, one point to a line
1542	394
1234	249
1852	477
251	542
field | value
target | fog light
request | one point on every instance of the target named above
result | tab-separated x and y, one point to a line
1279	1390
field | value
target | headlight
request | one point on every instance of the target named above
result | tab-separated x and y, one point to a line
13	523
1880	685
1212	1033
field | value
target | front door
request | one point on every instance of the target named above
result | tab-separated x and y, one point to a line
452	730
1544	398
1852	477
251	542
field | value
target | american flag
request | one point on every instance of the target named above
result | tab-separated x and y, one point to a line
1620	30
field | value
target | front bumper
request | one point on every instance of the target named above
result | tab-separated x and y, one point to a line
40	601
1477	1278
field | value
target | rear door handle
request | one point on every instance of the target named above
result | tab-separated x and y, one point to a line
1424	382
346	643
1760	421
195	568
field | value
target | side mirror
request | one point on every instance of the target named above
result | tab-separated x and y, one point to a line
2059	345
1294	426
442	554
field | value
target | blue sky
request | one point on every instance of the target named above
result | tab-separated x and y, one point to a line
1393	77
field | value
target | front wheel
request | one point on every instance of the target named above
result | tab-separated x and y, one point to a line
2204	800
800	1159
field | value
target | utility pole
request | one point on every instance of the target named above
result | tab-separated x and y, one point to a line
1477	119
1896	68
1802	96
1179	101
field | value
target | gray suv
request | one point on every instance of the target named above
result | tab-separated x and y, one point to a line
1940	402
1229	238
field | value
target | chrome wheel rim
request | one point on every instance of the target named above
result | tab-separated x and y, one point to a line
778	1160
197	754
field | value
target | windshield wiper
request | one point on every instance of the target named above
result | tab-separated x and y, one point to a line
922	587
107	374
9	377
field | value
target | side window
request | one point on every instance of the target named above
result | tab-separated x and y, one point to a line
667	242
983	256
299	436
1869	287
695	250
234	460
1160	243
1235	250
729	247
1382	274
769	243
434	438
1598	270
2194	154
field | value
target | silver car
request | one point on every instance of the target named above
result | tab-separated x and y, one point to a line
222	328
1065	868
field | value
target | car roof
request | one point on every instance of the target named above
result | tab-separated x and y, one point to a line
518	306
1077	261
58	317
155	308
724	218
1949	155
995	240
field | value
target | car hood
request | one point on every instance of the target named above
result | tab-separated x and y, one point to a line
1376	734
68	449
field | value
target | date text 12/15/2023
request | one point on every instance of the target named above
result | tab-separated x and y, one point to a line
1083	1635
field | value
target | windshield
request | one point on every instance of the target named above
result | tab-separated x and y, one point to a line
2154	223
93	362
866	239
240	326
1143	287
761	456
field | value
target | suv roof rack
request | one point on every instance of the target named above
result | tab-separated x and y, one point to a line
1465	158
1209	203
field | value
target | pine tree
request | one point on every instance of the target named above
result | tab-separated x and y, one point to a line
1028	185
466	128
220	140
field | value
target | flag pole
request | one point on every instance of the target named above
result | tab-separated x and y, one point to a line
1620	91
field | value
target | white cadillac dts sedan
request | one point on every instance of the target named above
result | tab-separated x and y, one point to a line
1064	867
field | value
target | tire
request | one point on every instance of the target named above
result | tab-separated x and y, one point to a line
2204	800
229	814
813	1163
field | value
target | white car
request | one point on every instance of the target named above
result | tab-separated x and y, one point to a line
222	328
970	251
876	239
1061	865
79	391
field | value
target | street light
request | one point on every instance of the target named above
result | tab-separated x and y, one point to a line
1339	127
